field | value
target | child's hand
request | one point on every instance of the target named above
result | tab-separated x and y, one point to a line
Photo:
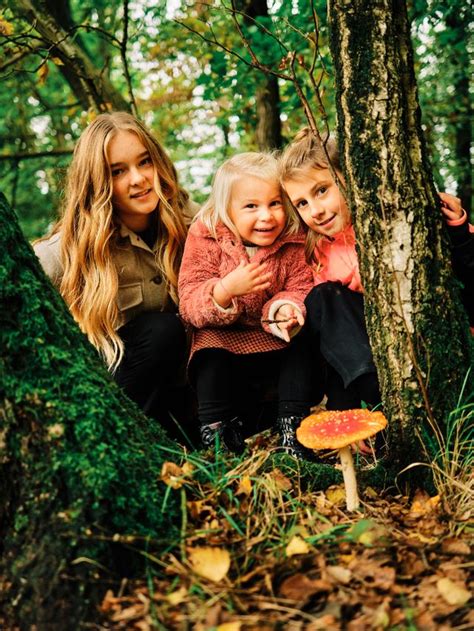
247	278
289	317
451	206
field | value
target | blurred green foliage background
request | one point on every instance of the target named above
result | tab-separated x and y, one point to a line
201	99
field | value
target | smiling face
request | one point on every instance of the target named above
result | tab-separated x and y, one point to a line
133	194
319	202
256	210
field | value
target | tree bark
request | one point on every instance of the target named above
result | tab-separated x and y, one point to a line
417	327
267	96
92	88
80	464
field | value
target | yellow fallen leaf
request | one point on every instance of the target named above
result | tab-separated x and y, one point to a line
177	597
230	626
172	475
423	504
188	468
381	617
42	73
371	493
336	495
245	486
211	563
297	545
423	538
452	593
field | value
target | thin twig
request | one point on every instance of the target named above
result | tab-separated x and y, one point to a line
123	56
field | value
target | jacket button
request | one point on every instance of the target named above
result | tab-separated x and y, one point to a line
157	279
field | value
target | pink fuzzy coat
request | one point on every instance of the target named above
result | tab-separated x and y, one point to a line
238	329
337	258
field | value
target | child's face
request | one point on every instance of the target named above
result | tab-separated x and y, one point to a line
319	202
133	194
257	211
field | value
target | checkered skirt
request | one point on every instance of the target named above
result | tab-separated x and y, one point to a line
241	341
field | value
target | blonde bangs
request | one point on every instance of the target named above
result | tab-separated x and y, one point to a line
249	164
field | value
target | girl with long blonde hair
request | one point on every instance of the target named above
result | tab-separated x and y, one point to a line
115	252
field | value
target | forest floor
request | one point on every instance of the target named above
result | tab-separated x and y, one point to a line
261	550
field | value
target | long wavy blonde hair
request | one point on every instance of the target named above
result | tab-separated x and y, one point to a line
248	164
88	230
304	152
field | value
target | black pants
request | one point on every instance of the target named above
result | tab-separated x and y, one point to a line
154	360
335	321
224	381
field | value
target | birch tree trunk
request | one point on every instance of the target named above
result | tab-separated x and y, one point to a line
417	327
79	462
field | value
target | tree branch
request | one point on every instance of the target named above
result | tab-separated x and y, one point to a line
123	56
93	90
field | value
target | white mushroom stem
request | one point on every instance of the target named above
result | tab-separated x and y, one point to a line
350	482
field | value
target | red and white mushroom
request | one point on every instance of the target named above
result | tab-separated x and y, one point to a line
338	430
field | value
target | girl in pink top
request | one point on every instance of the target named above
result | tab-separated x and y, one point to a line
335	307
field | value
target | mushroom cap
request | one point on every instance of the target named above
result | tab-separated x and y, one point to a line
334	429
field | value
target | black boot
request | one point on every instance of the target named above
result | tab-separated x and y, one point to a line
229	433
287	427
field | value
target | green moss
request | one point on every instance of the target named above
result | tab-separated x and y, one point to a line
80	462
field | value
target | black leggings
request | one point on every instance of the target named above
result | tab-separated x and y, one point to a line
223	381
335	321
155	352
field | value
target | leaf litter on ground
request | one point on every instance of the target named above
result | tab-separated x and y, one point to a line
260	553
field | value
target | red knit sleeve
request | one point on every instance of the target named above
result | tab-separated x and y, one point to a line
198	274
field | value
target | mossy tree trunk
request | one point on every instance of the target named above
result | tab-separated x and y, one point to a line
80	463
417	326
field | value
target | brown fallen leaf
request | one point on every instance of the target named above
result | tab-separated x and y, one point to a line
300	587
211	563
280	480
326	622
110	602
134	612
453	545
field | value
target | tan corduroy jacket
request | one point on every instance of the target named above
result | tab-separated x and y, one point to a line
141	287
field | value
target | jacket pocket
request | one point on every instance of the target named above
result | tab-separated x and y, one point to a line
129	296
